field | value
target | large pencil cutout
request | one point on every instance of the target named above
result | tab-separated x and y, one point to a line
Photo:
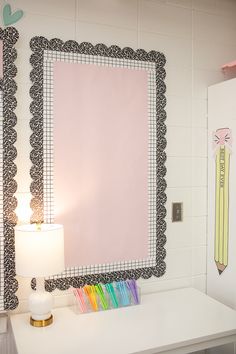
222	140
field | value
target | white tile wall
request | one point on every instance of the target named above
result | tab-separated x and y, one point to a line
179	82
217	28
197	36
99	33
210	56
184	232
199	175
199	237
165	19
116	13
170	46
54	8
199	113
179	173
179	141
179	107
199	142
199	200
199	260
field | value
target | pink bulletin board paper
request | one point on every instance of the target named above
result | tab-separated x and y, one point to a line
1	59
101	162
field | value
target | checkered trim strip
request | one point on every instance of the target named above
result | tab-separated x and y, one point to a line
49	58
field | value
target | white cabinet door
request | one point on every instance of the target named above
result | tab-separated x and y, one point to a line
221	230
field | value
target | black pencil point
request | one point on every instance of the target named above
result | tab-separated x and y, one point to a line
220	271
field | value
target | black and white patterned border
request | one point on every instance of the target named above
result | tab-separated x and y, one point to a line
8	186
41	46
1	210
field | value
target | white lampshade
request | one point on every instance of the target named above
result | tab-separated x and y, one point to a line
39	251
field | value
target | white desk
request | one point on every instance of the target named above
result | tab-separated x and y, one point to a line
179	321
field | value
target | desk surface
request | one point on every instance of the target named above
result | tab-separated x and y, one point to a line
178	321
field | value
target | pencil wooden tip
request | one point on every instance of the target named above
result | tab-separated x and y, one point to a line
220	267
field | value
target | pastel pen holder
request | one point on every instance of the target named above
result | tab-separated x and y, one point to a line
102	297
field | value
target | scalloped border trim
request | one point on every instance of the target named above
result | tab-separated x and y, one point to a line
9	36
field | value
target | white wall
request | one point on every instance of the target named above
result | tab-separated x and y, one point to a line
197	36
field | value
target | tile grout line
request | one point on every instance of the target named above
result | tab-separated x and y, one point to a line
138	24
76	9
192	276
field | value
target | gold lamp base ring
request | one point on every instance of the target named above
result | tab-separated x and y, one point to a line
41	323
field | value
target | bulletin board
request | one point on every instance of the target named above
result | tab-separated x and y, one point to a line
98	157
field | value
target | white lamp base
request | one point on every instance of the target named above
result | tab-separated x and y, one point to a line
40	304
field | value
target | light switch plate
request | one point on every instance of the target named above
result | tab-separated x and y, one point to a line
177	212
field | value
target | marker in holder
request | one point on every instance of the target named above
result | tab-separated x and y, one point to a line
99	297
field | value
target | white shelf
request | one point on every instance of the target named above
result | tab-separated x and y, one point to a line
179	321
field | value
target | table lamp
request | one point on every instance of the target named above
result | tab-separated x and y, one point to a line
39	253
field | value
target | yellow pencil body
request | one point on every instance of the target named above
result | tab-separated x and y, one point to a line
222	208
